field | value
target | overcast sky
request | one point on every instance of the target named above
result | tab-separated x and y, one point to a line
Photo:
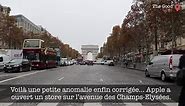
75	22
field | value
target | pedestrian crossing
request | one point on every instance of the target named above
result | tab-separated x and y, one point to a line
88	104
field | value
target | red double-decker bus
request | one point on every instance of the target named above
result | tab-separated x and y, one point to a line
39	56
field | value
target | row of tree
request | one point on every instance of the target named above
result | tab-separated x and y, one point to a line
12	37
146	26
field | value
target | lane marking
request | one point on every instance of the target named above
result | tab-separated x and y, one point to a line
5	75
101	80
133	104
92	104
21	76
5	104
170	104
47	104
61	78
140	81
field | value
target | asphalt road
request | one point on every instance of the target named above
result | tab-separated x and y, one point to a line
82	74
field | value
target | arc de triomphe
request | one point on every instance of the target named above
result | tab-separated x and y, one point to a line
89	49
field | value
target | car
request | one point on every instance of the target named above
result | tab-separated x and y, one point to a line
18	65
102	62
163	66
109	62
98	62
4	59
62	63
89	62
82	63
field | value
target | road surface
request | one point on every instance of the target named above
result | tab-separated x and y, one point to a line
82	74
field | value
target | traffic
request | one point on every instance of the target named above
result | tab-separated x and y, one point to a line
33	56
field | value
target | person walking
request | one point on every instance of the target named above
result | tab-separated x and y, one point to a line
182	68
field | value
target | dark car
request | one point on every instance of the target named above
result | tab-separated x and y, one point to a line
82	63
89	62
18	65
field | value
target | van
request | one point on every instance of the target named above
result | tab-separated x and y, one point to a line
3	60
163	66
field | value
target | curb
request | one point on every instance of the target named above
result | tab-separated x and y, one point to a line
132	68
136	69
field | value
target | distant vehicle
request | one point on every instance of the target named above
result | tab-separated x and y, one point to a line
71	62
89	62
4	59
8	54
40	57
163	66
109	62
64	61
18	65
102	62
82	63
98	62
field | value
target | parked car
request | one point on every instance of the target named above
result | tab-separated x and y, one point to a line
163	66
103	62
98	62
89	62
18	65
109	62
62	63
82	63
4	59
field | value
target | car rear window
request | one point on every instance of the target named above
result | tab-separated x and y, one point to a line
176	60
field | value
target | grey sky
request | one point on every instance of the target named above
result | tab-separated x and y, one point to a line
75	22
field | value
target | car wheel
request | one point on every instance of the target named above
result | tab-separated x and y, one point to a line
20	69
147	73
163	76
30	68
6	71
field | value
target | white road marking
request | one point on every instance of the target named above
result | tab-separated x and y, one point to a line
47	104
140	81
21	76
61	78
171	104
133	104
92	104
5	75
5	104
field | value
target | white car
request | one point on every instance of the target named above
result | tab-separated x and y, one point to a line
109	62
4	59
163	66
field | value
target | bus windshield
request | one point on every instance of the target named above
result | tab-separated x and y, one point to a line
31	43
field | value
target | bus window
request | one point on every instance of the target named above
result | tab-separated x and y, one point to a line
31	43
33	56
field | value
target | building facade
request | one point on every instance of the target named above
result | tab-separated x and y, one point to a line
27	25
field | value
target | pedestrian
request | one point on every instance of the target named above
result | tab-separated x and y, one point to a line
182	68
